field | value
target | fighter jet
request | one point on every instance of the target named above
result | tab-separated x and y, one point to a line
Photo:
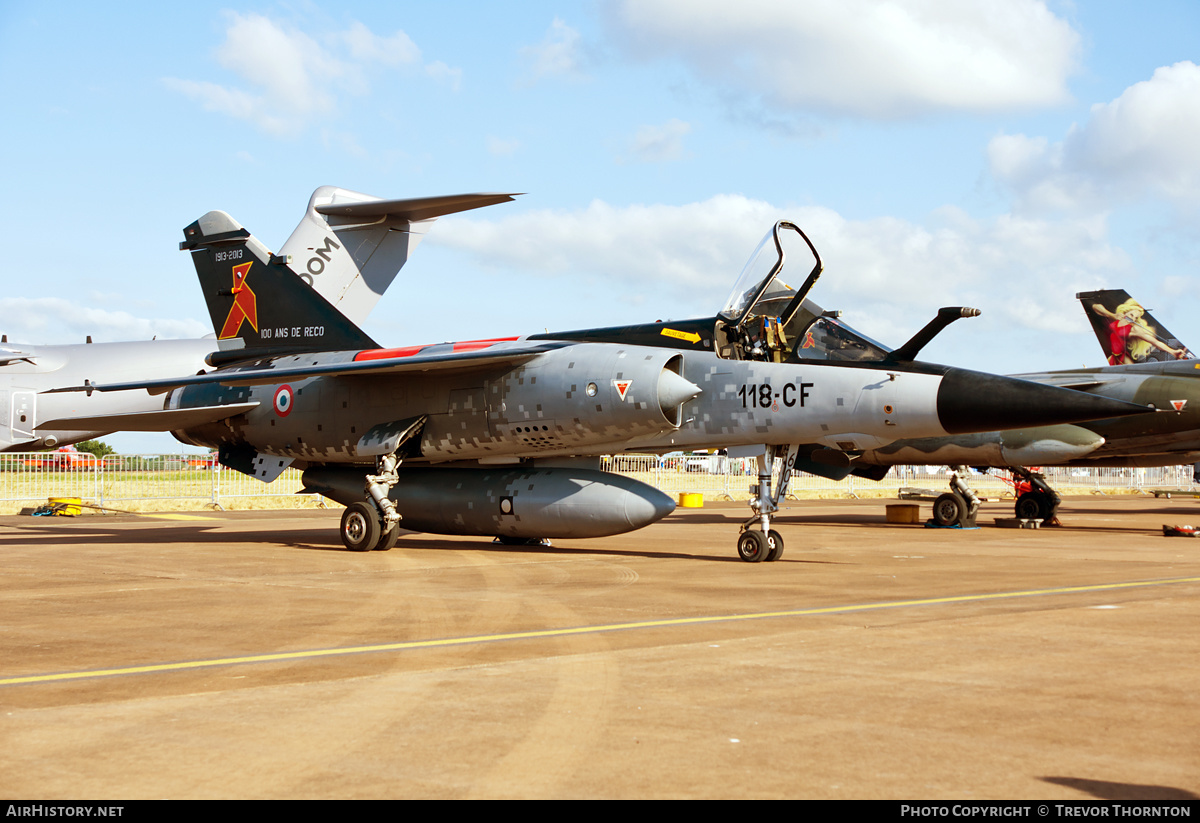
1150	367
348	247
788	326
502	437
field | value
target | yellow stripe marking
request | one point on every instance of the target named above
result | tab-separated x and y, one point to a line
543	633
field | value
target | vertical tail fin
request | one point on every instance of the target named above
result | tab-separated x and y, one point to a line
1126	331
255	301
350	246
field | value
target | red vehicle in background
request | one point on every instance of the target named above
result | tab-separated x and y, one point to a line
65	458
207	462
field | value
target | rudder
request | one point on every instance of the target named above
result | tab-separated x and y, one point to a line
1126	331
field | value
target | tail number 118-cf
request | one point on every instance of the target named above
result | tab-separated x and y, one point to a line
761	396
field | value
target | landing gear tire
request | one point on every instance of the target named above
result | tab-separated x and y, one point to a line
388	538
753	546
949	509
1034	506
360	527
775	543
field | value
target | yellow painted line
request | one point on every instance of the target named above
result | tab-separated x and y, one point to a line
543	633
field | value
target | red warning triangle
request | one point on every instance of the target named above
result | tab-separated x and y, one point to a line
1179	404
622	387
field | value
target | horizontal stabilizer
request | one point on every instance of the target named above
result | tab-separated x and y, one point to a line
441	362
153	421
350	246
416	208
15	356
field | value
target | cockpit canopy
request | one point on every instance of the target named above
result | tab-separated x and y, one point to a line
766	319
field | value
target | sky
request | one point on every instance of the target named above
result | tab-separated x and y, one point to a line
1000	155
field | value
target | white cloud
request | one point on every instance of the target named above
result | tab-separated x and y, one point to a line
289	80
702	245
58	320
289	66
439	71
233	102
888	274
499	147
1142	144
366	46
875	59
660	144
559	54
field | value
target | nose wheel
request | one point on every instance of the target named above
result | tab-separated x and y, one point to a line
1039	500
756	545
1036	504
960	505
951	509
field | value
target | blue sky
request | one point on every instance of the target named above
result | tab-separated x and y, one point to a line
1002	155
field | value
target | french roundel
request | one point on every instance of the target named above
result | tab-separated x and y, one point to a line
283	401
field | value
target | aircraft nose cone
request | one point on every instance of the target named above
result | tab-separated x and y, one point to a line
970	401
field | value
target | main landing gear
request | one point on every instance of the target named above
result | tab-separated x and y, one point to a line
960	505
374	525
1035	499
755	546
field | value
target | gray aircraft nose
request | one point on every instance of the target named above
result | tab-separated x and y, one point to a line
970	401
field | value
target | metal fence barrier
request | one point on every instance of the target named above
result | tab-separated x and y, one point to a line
146	481
719	477
117	481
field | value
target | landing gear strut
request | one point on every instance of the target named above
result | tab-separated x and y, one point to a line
367	527
374	524
1039	501
755	546
959	506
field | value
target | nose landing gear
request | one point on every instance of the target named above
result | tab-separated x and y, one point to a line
755	546
1035	498
960	505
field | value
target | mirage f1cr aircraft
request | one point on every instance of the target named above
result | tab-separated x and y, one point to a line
503	437
1154	370
788	326
348	247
